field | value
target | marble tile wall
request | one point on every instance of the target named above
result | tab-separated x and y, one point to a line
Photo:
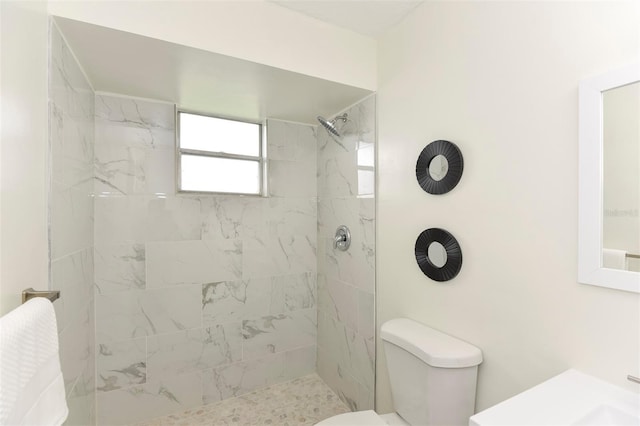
71	122
346	280
198	298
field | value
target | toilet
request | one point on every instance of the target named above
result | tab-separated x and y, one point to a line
432	375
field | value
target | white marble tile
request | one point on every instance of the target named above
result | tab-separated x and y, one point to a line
72	148
300	362
193	350
307	143
231	217
281	140
227	301
121	364
76	346
333	212
290	141
322	255
242	377
193	262
366	315
358	131
299	290
364	119
353	353
355	266
339	381
119	267
81	410
365	398
71	142
121	169
358	263
278	256
290	216
367	219
134	112
124	135
71	220
155	398
339	300
346	190
81	400
330	145
139	219
68	87
337	176
281	184
137	313
73	276
278	333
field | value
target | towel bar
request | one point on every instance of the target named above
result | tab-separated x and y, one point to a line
30	293
633	256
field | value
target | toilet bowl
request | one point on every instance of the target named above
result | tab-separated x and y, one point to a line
432	375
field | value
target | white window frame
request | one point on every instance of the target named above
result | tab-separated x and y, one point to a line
216	154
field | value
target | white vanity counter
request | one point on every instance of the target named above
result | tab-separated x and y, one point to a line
571	398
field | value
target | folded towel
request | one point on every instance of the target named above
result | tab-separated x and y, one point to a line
32	390
614	259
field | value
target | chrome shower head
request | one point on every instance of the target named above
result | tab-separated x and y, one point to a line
330	125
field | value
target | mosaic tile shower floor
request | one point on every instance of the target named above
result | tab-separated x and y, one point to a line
303	401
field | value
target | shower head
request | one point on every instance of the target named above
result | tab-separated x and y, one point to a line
330	125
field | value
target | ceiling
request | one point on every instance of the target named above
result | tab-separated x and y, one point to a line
367	17
200	80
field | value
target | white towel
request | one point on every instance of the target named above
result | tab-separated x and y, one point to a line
614	259
32	389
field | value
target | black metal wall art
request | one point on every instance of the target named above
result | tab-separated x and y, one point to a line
453	262
455	167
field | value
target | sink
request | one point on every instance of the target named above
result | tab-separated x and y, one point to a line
570	398
606	415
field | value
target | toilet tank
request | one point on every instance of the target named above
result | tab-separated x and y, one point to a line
433	375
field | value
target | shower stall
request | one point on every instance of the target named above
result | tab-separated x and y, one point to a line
172	300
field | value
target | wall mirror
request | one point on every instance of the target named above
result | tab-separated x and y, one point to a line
439	167
438	254
609	180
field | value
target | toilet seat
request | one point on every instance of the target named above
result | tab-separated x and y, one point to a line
358	418
364	418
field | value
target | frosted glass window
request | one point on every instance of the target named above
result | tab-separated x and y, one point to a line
203	133
219	155
215	174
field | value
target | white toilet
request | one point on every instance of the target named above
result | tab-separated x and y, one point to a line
432	375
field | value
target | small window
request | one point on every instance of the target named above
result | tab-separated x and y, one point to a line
219	155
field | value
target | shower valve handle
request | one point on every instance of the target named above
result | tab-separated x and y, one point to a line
342	239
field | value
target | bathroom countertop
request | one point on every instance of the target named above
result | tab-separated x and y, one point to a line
570	398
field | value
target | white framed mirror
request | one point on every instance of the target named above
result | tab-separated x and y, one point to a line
609	180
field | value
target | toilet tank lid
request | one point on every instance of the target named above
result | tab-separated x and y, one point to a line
432	346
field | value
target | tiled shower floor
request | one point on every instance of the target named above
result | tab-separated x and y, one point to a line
303	401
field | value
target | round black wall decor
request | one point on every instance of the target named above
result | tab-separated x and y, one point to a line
454	161
453	262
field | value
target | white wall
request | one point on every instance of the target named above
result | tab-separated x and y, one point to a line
23	150
255	30
500	79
